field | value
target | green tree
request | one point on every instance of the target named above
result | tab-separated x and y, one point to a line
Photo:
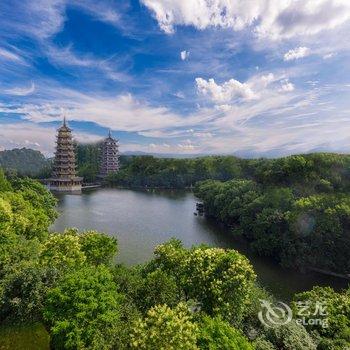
220	280
62	250
320	237
24	292
157	288
98	247
216	334
165	328
37	195
291	337
83	311
88	159
16	252
4	183
333	306
24	161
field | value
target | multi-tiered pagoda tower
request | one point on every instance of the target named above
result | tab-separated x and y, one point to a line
109	156
64	177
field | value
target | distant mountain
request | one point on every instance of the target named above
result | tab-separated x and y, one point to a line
25	162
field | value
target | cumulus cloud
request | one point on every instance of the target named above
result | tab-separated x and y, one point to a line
226	92
233	90
286	86
184	55
21	91
296	53
273	19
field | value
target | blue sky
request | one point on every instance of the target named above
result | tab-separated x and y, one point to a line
252	78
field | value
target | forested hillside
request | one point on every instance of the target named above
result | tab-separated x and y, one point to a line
25	162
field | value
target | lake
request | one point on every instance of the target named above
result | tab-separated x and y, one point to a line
140	220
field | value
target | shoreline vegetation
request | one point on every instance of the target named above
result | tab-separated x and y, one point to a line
294	209
183	298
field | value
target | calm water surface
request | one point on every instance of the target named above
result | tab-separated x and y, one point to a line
142	219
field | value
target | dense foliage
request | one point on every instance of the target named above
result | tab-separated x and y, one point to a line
220	281
148	171
216	334
293	209
25	162
183	298
163	327
307	173
88	160
334	330
83	310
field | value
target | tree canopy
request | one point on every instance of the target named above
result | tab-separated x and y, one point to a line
184	298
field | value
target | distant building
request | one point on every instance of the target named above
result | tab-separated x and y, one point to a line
109	162
64	177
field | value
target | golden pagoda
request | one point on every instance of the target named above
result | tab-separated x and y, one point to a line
64	176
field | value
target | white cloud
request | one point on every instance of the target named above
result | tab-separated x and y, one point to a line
329	55
296	53
273	19
201	134
286	86
42	19
8	55
20	135
122	112
223	108
277	122
21	91
184	55
187	145
35	136
226	92
100	10
260	82
66	57
179	94
184	147
233	90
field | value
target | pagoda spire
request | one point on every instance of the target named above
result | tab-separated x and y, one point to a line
64	121
109	133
